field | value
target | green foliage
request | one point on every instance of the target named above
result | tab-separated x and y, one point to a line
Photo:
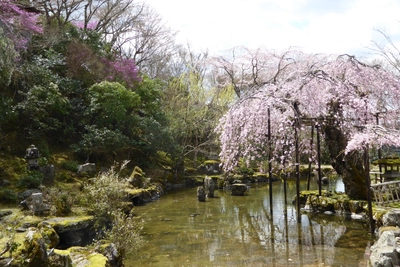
8	118
112	105
103	194
124	233
41	70
70	165
243	168
43	110
33	179
193	112
8	196
62	201
100	141
8	57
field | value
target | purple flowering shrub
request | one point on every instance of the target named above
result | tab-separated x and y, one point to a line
18	24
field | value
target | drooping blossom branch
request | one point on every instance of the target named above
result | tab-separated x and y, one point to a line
341	90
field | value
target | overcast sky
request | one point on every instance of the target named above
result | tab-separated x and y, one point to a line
316	26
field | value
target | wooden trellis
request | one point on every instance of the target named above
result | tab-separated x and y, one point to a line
387	192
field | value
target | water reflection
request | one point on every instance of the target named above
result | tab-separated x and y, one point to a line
239	231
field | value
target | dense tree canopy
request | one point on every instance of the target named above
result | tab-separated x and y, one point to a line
106	77
69	84
342	96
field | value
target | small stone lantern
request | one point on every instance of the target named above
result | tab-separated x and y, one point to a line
32	155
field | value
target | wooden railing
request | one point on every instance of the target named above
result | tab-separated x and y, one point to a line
387	192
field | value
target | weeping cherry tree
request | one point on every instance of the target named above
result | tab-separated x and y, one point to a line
340	95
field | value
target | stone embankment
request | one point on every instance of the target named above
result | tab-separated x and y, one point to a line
386	250
33	239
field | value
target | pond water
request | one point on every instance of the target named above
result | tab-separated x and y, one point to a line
240	231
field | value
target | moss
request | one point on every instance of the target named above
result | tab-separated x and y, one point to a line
49	235
12	168
137	172
387	161
91	259
34	248
132	192
60	224
97	260
62	252
210	162
135	191
388	228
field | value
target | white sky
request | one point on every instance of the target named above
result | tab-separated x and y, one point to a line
315	26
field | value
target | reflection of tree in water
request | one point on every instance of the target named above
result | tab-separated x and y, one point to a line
240	231
287	242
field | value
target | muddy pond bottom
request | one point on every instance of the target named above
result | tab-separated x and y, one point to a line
241	231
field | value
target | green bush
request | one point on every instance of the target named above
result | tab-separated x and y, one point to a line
8	196
104	194
62	202
32	180
124	233
71	165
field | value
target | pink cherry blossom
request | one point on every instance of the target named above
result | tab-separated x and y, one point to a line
311	90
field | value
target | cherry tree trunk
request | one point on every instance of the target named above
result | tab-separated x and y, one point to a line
349	166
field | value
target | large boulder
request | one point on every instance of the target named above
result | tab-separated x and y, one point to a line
35	203
391	218
60	258
209	186
111	252
49	235
89	168
77	256
34	248
201	194
82	256
384	251
238	189
73	231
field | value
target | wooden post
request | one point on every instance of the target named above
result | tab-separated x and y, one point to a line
269	162
309	163
368	184
297	175
379	152
285	180
319	161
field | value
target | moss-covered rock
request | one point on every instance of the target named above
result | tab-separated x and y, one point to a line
49	235
73	231
34	249
137	177
140	196
70	224
238	189
77	256
82	256
60	258
337	202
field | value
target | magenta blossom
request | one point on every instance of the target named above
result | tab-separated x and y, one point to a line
18	24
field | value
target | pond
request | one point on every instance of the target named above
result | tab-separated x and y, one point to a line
240	231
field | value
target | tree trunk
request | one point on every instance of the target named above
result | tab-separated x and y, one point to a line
349	166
